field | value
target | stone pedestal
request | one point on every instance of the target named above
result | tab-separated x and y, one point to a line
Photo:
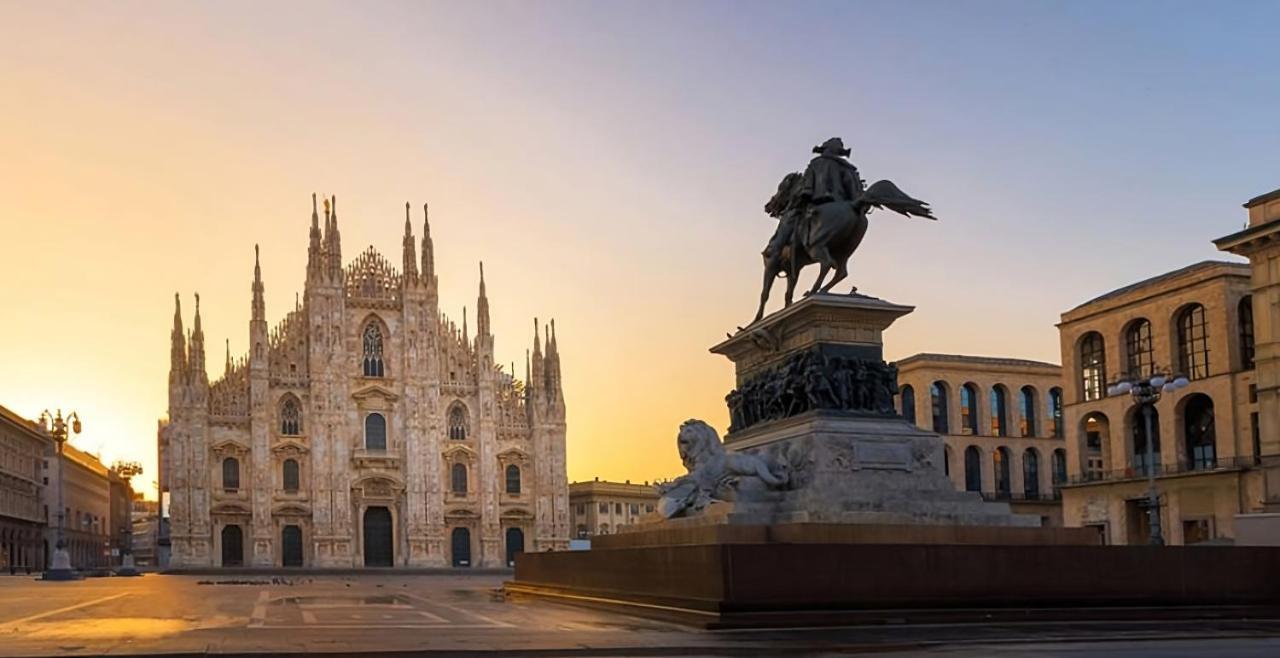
861	470
60	567
815	396
127	566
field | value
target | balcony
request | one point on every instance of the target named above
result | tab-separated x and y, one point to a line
1141	472
1010	497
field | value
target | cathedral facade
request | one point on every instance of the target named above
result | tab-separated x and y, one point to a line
365	429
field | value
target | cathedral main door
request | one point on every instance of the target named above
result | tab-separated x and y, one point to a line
378	537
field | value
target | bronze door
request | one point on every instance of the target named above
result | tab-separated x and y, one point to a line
461	547
377	537
291	545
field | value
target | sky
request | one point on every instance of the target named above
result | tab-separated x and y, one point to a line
608	162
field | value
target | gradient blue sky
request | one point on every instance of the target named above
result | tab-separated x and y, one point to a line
608	161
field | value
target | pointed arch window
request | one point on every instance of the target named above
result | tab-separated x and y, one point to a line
1244	314
1193	342
290	475
513	479
372	343
1139	355
375	432
1093	368
458	422
458	478
290	417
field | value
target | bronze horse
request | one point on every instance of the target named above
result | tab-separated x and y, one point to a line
827	234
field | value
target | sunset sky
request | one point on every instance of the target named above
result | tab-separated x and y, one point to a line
608	162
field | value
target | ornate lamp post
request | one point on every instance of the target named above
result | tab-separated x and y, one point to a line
1146	392
126	471
60	567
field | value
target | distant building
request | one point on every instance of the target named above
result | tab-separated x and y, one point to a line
86	499
23	446
1197	321
599	508
146	526
120	523
365	429
1001	422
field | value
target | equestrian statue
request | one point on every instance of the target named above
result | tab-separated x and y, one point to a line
822	218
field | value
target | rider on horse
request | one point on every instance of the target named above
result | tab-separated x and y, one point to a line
829	177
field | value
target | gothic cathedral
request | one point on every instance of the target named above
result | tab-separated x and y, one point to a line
366	429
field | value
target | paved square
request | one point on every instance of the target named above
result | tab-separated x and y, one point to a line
446	614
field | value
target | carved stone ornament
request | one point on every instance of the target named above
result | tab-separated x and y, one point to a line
811	380
715	474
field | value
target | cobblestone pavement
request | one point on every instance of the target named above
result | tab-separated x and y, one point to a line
464	615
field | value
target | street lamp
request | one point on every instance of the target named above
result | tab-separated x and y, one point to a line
1146	392
127	471
60	566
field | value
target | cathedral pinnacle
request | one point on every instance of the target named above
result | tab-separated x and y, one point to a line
410	254
196	356
259	306
178	347
428	249
482	307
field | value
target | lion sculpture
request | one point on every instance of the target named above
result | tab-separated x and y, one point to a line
713	473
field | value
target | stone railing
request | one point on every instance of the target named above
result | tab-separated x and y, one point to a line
1163	470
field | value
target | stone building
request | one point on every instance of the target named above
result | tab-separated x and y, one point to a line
23	446
86	500
600	508
1260	244
1196	321
1001	422
365	429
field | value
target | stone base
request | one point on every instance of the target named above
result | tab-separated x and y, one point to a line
716	529
127	567
60	567
805	584
847	468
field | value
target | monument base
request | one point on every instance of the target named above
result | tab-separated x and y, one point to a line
846	468
60	567
127	567
775	584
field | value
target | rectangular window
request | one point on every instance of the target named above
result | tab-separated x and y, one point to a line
1257	438
1253	393
635	509
604	508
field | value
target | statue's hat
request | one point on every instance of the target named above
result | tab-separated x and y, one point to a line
834	143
